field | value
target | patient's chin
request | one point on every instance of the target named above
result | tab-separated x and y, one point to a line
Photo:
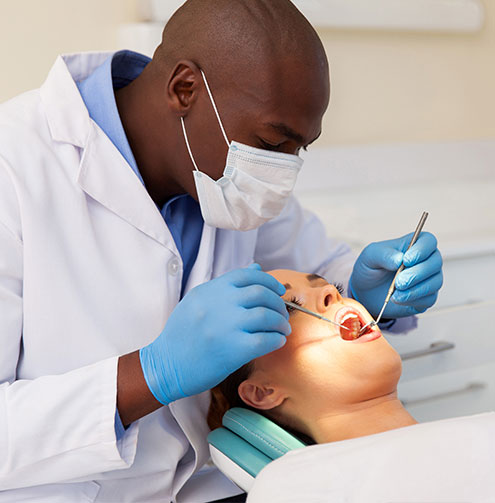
383	376
383	359
372	375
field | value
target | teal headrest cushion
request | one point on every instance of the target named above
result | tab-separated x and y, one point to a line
260	432
251	440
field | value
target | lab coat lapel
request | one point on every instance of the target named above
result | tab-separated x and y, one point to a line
103	173
106	177
66	114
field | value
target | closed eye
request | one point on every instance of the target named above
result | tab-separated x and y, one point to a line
268	146
294	300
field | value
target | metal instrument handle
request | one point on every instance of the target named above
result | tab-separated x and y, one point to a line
472	386
391	289
435	347
312	313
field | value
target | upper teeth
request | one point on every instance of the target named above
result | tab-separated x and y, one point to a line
349	316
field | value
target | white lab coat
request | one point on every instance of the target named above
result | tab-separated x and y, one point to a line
89	271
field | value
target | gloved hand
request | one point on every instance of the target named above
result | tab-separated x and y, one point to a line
416	286
215	329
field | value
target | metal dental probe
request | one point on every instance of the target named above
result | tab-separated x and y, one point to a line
391	290
312	313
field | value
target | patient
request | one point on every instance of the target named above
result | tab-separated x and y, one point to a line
319	385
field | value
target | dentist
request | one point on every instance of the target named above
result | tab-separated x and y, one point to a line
137	197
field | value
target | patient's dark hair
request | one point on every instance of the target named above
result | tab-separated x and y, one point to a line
225	396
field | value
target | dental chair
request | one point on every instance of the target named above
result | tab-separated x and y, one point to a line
246	444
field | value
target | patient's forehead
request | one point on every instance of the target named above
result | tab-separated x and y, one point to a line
286	274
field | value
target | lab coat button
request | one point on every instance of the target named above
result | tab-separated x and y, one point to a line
173	266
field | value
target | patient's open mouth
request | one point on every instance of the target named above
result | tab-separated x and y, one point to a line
353	321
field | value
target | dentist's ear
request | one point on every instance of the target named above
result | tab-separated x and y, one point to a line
182	88
260	396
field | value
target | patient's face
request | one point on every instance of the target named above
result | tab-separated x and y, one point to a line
317	369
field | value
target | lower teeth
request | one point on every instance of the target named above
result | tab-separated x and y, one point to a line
351	329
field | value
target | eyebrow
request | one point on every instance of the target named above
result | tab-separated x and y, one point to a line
288	132
309	277
314	277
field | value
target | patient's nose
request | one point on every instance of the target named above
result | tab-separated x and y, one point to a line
327	296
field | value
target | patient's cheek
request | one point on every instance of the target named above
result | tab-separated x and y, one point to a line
306	328
312	350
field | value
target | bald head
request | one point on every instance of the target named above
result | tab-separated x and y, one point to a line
241	38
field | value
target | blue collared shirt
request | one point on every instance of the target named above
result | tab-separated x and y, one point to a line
181	213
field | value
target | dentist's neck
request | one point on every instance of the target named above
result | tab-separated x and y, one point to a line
152	134
366	418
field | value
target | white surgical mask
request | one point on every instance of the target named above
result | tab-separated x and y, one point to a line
254	187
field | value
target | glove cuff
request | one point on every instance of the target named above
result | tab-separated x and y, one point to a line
156	378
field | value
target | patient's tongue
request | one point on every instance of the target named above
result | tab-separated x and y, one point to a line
354	326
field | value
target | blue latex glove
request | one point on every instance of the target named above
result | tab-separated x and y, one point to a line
216	328
416	286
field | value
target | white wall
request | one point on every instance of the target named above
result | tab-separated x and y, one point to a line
391	87
34	32
387	86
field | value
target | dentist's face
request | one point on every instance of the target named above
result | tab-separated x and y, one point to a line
317	369
280	110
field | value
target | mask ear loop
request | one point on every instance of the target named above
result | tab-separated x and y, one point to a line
218	118
215	108
187	144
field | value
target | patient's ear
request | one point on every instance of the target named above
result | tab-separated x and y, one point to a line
260	396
